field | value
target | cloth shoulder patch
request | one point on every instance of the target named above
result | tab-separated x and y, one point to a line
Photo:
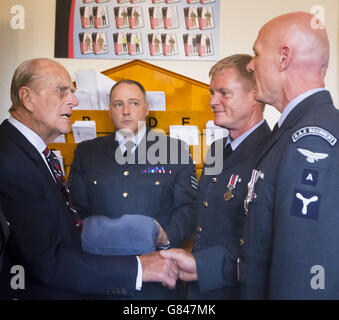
305	204
314	131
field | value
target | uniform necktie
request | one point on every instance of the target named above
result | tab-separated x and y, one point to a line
55	167
128	153
275	129
228	150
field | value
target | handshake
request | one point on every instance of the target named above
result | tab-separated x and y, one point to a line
166	266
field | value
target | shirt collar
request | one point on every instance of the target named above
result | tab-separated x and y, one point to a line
136	139
236	142
292	104
29	134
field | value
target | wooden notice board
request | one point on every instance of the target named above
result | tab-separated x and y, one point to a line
187	103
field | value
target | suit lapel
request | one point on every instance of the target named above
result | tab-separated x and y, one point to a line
19	139
111	146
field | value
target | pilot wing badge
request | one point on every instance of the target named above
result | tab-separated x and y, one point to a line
312	157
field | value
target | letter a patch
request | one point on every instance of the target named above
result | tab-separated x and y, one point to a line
310	177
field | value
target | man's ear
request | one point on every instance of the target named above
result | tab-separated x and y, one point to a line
25	96
251	95
147	105
285	58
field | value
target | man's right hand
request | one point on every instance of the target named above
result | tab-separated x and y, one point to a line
185	261
155	268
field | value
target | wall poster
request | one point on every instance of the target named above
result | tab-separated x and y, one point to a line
137	29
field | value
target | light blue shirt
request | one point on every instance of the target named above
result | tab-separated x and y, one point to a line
295	102
236	142
136	139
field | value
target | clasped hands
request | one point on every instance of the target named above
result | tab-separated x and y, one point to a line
167	266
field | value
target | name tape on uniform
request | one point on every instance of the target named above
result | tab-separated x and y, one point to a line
314	131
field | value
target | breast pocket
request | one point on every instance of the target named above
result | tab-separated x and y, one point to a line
105	197
258	222
155	197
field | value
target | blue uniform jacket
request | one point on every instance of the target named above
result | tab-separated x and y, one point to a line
218	238
291	232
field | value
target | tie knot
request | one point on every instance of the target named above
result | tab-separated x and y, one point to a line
46	152
275	129
129	145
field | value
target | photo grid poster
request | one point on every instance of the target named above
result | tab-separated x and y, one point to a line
137	29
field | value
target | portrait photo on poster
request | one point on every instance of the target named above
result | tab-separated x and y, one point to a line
135	29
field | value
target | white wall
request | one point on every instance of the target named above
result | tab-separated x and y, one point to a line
240	23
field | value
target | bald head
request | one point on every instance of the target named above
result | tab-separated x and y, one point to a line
291	57
298	31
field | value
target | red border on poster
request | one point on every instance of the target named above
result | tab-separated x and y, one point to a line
70	32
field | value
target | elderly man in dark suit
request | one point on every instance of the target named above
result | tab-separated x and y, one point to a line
45	230
291	231
135	171
212	266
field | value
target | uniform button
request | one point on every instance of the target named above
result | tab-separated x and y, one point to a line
199	229
95	182
214	179
157	182
125	194
242	241
205	204
126	173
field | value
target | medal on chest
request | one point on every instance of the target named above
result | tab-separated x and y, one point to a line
234	179
256	175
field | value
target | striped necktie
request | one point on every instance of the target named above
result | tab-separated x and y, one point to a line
55	167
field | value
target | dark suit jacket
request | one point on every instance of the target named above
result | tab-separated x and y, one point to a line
4	232
217	244
98	184
43	238
291	247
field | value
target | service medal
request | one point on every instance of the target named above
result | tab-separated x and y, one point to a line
228	195
256	175
231	185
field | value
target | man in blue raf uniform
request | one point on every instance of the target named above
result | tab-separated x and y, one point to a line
136	171
218	238
291	232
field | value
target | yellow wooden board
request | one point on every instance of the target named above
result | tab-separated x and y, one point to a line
187	102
